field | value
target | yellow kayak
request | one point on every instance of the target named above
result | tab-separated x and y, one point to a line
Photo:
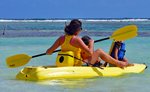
52	72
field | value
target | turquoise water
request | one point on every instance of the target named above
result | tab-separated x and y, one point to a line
137	52
35	37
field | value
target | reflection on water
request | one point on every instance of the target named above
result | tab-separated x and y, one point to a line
69	83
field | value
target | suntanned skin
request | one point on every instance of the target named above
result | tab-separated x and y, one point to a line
75	41
99	53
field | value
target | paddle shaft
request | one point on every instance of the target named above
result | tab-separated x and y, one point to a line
101	39
60	49
44	54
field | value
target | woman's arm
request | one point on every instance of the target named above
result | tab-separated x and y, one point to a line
54	46
81	45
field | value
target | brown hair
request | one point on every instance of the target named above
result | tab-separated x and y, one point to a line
73	27
86	39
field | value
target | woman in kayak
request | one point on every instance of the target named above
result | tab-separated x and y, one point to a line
72	42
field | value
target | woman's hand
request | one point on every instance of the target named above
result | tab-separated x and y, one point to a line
48	52
91	42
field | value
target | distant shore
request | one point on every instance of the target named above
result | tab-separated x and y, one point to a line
40	27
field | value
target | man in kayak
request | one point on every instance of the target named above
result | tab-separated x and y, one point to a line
118	52
72	42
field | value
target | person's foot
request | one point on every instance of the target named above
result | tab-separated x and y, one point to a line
130	64
122	64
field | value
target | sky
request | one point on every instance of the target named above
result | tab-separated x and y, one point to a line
22	9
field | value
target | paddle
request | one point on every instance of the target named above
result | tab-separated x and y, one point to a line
123	33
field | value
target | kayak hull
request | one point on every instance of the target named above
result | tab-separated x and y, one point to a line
36	73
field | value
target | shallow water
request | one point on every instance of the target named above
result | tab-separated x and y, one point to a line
137	52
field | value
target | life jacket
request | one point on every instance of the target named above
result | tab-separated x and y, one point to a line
66	46
121	51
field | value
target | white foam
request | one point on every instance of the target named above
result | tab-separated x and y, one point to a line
116	20
84	20
2	20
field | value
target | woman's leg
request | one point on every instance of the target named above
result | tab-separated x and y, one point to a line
106	57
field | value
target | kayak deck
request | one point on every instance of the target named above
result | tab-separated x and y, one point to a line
52	72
